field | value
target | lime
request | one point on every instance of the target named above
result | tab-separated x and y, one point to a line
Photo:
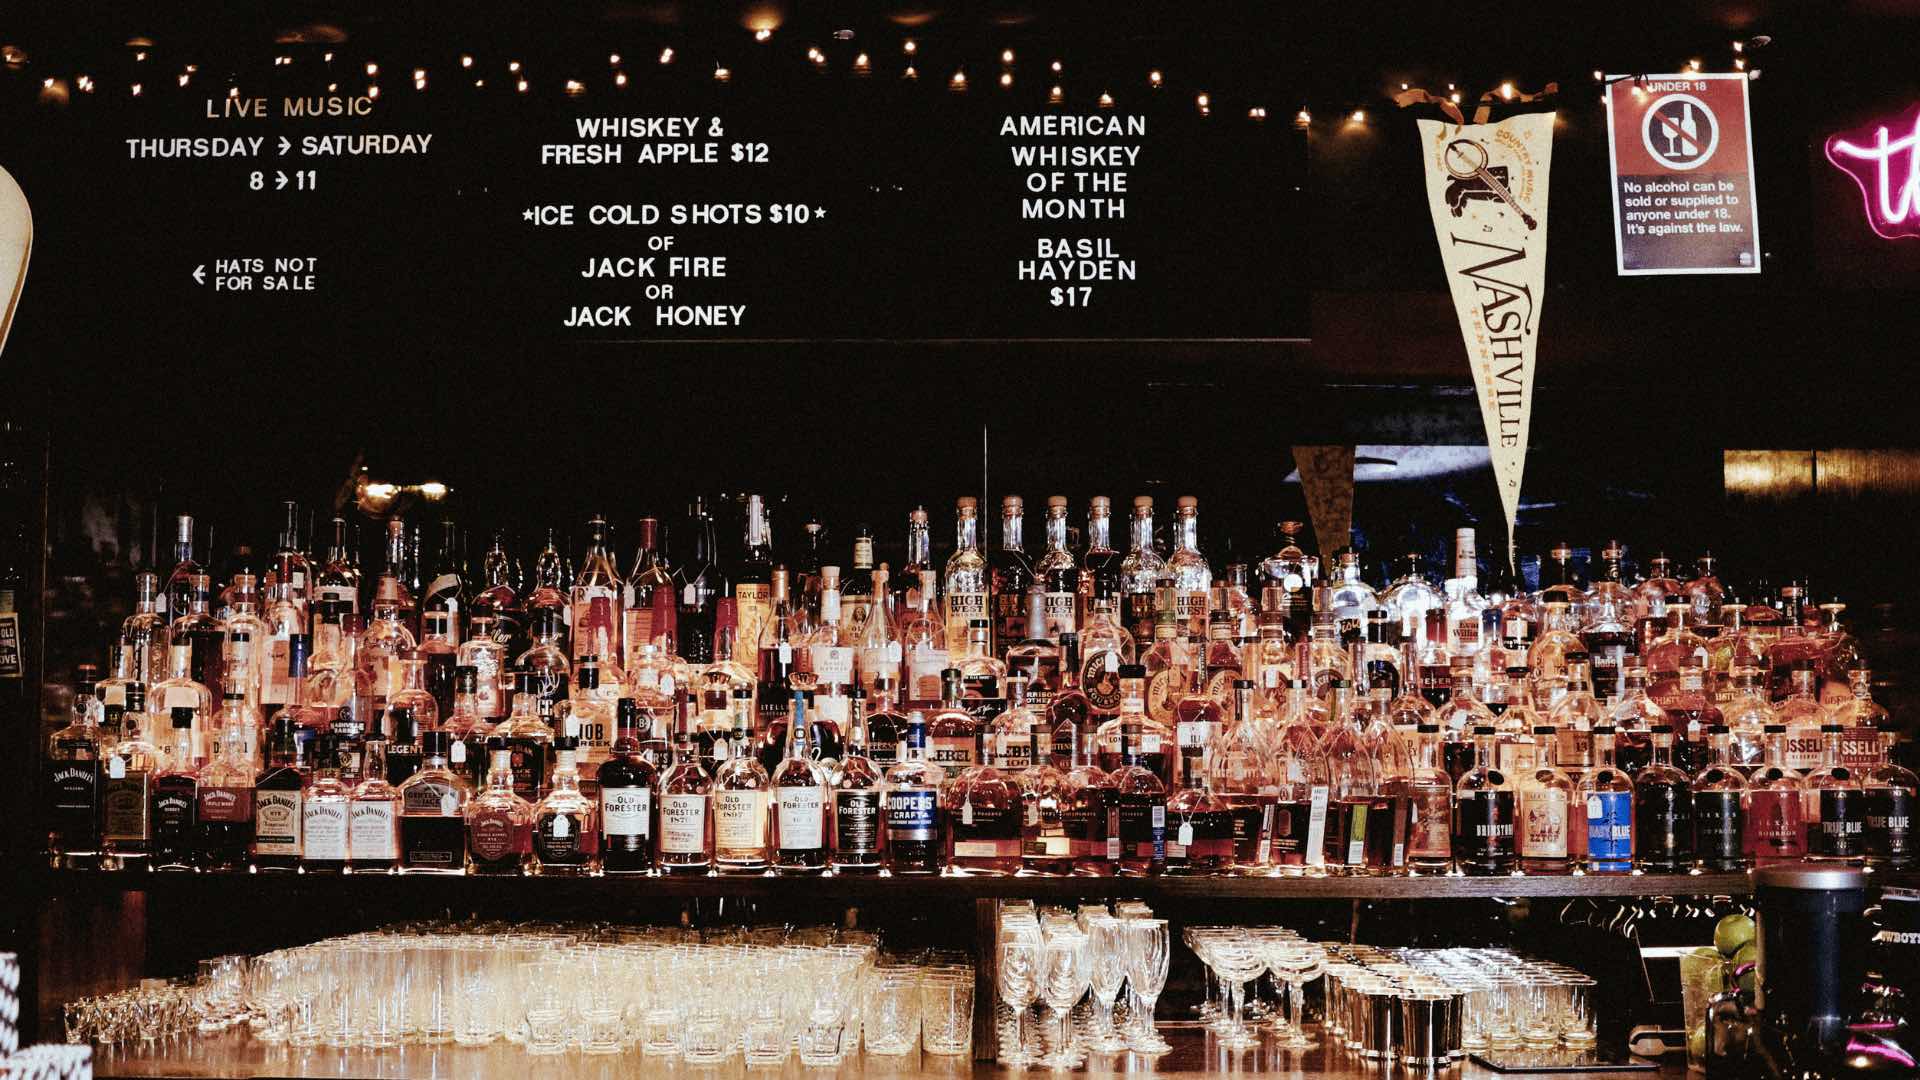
1732	933
1746	979
1708	952
1746	954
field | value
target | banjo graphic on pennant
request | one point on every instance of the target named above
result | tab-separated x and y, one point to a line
1487	191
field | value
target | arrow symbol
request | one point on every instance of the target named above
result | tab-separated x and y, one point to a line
285	143
200	274
279	180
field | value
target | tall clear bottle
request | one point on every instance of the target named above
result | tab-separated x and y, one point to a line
597	604
1057	573
859	813
1140	571
1010	578
800	801
1607	790
753	585
1192	577
965	581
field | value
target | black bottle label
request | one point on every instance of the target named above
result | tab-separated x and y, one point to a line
1719	827
73	792
1483	831
1143	830
1842	827
1663	823
856	822
1890	823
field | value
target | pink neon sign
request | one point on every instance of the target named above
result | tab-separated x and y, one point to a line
1888	172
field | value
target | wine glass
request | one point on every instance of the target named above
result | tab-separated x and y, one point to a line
1147	955
1109	948
1019	982
1066	970
1297	963
1237	961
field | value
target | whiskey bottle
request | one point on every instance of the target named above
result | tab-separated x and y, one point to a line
373	809
1719	807
626	798
886	726
175	786
800	801
952	730
1776	805
1140	813
499	822
857	809
595	602
433	805
223	811
1091	813
1046	846
1069	712
1483	842
1545	811
1663	810
325	842
1430	818
75	784
1607	791
400	755
859	590
983	819
1100	563
687	839
1890	790
1057	575
278	791
1134	733
1238	763
964	582
126	820
528	738
914	820
649	576
566	828
1837	830
1192	577
1010	578
1140	572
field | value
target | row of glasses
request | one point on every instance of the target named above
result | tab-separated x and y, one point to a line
1060	959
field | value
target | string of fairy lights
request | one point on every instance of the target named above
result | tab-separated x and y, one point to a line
903	60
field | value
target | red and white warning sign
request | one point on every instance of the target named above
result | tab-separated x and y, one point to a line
1681	152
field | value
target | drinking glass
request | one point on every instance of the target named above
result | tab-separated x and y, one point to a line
1066	970
1237	962
1147	956
766	1023
1107	945
830	993
946	1012
890	1012
476	992
1018	980
1297	964
546	1006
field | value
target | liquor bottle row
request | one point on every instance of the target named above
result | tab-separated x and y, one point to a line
1348	789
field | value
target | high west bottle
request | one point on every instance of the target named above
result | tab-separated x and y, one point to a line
858	813
175	786
1483	841
965	581
75	783
626	798
800	801
433	805
1192	577
499	822
566	827
1607	791
1010	577
277	796
126	823
1837	818
1140	572
1719	807
1545	812
223	814
1663	810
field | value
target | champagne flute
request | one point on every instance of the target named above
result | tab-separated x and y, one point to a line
1109	949
1147	955
1066	972
1019	981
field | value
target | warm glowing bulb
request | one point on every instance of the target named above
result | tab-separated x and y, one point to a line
1506	91
1739	46
1006	78
1450	86
1693	64
574	87
419	84
1006	56
1598	75
332	86
433	489
1056	94
1454	97
666	55
47	84
1258	112
620	78
140	56
1302	118
232	91
911	47
513	66
1203	100
762	34
1403	86
136	89
1056	67
521	86
477	84
910	73
1739	63
1154	78
372	69
614	59
466	61
1359	116
816	56
419	73
862	62
1106	100
959	80
373	91
328	57
721	74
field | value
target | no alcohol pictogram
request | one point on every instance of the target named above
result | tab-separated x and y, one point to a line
1680	132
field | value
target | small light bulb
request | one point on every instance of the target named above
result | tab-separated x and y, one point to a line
136	89
574	87
1006	78
1258	112
666	55
1056	95
1753	74
1203	99
1056	67
373	91
513	66
1739	46
478	83
911	47
419	73
140	55
1106	100
1454	97
328	57
232	91
959	80
1154	78
1739	63
620	78
372	69
521	86
862	63
1403	86
46	84
721	74
762	35
910	73
1693	65
614	59
1006	56
1302	118
1359	116
1598	75
466	61
1506	91
419	84
332	86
